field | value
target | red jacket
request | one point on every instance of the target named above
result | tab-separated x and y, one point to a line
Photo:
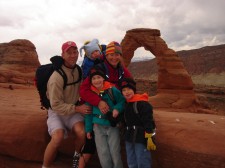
91	97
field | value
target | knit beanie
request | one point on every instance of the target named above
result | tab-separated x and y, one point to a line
90	47
128	82
96	71
113	47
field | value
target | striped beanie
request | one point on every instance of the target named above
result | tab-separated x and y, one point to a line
113	47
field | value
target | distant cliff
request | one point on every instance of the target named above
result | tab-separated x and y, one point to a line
210	59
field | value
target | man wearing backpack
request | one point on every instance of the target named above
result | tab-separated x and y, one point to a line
64	114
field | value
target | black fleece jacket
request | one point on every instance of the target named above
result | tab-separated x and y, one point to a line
143	121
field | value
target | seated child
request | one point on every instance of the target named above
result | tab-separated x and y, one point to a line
107	137
140	128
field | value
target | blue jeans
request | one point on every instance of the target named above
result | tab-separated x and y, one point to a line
107	141
137	155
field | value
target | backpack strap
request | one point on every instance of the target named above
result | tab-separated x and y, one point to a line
106	70
121	72
79	77
135	107
63	74
110	94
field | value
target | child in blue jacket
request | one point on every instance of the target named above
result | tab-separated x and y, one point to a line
93	56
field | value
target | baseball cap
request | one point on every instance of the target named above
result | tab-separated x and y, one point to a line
67	45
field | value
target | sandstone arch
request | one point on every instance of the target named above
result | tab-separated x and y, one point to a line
175	86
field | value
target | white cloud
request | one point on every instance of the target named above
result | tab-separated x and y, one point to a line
48	23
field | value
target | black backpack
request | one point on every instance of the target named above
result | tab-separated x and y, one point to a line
43	74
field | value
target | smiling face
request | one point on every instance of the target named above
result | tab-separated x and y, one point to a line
128	93
70	57
113	59
95	54
97	81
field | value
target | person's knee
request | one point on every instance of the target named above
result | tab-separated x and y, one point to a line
80	135
57	138
78	129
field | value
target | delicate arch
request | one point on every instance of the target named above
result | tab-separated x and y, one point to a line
175	86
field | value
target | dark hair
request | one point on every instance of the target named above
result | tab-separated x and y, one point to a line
96	71
128	82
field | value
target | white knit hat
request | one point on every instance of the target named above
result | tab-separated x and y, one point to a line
90	47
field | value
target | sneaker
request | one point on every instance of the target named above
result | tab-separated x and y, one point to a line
76	158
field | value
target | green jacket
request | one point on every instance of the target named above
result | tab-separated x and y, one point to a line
93	118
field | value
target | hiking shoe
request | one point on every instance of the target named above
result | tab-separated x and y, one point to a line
76	158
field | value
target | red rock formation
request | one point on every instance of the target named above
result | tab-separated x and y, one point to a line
18	62
175	87
184	140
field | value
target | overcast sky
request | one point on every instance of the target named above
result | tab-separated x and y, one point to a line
184	24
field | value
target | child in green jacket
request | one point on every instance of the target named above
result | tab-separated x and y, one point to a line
107	137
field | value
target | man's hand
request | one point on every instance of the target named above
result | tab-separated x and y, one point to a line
83	109
103	107
151	141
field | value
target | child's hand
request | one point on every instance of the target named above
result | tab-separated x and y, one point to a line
115	113
89	135
151	141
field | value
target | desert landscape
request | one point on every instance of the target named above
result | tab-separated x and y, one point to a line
186	89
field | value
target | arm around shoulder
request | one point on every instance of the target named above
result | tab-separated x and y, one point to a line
86	93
